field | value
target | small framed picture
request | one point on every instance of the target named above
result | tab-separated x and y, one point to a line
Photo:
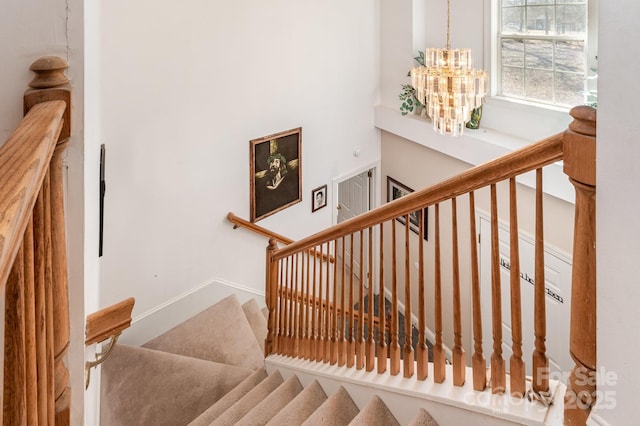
397	190
319	198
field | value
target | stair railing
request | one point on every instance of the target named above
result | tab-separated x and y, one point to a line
329	331
33	264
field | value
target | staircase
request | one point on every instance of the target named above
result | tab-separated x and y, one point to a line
209	370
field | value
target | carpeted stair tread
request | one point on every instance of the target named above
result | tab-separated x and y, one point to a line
142	386
257	321
423	419
301	407
201	336
249	400
338	410
230	398
274	402
374	413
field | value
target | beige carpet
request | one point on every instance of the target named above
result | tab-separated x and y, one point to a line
209	370
220	333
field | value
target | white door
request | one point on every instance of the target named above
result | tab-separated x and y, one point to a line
354	198
558	298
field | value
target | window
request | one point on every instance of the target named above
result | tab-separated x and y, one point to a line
546	51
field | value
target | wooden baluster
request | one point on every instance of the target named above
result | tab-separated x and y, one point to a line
314	311
290	300
360	327
309	310
40	303
351	349
51	410
540	362
327	313
371	344
459	366
498	374
394	345
422	350
30	326
288	305
304	305
319	312
297	312
282	311
342	347
438	351
408	355
478	362
15	396
516	364
285	306
59	287
268	340
580	166
272	297
382	343
334	312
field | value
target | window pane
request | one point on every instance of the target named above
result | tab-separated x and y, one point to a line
569	89
539	86
570	56
551	69
539	54
513	81
513	19
571	20
513	53
540	19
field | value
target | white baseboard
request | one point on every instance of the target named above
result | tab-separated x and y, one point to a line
167	315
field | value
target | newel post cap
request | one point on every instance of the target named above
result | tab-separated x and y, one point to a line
579	146
49	72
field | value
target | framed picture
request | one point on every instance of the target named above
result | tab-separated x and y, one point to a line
319	198
397	190
276	173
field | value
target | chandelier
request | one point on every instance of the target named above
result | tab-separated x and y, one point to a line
448	85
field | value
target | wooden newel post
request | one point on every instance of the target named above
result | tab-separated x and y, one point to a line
580	166
50	83
271	298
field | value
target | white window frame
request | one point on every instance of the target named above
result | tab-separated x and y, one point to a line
493	39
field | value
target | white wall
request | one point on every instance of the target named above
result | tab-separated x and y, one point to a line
618	231
29	30
183	91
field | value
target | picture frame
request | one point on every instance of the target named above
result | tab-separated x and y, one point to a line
397	190
275	173
318	198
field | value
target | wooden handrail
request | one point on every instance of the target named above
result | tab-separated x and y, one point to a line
24	160
238	222
529	158
108	322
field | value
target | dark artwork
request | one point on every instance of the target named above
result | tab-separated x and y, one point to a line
275	170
